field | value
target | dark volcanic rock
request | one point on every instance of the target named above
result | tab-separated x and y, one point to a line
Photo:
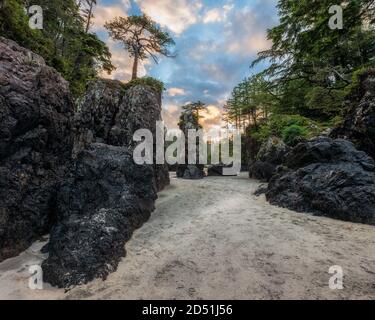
99	207
359	124
96	113
36	110
191	172
218	170
107	196
109	114
327	177
270	156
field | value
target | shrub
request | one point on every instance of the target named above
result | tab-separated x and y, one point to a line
153	83
294	134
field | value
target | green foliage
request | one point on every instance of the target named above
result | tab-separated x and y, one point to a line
285	126
313	72
191	115
149	81
312	65
293	134
64	42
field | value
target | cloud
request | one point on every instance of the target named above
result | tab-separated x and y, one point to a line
176	15
246	34
172	92
217	14
211	118
102	14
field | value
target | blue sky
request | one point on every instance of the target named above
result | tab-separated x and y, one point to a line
216	40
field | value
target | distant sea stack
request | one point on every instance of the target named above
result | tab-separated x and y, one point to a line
189	120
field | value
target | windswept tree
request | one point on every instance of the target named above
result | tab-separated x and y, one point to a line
141	37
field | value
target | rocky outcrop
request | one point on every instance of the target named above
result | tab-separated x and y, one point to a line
99	206
327	177
190	121
111	115
270	156
106	196
36	113
359	124
72	176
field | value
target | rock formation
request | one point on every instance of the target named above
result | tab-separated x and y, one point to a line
327	177
270	156
107	196
359	124
110	114
189	120
36	141
72	175
99	207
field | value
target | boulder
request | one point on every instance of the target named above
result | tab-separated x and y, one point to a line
359	123
270	156
36	141
218	170
106	198
326	177
190	172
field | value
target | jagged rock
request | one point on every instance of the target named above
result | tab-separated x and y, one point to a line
110	114
191	172
359	124
99	206
107	196
327	177
270	156
36	110
96	113
217	170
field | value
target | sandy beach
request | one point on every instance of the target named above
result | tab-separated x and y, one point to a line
213	239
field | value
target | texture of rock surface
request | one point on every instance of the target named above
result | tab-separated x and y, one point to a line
359	124
108	114
36	112
106	196
327	177
99	206
270	156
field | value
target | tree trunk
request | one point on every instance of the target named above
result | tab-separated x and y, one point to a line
89	18
135	67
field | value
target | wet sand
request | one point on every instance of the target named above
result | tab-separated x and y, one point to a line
213	239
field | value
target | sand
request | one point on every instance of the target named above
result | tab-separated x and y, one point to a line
213	239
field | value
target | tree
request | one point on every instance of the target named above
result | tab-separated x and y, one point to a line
141	37
88	12
310	63
191	115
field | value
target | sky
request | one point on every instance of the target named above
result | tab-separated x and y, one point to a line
216	41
